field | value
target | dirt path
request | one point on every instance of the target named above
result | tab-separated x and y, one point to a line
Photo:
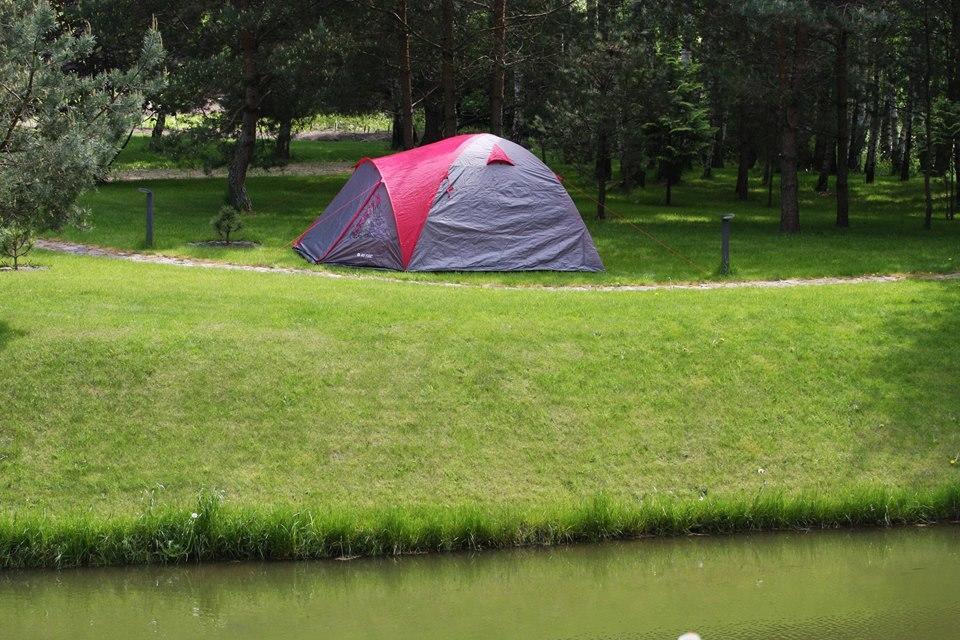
75	248
296	169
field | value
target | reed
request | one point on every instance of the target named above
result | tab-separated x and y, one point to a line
213	530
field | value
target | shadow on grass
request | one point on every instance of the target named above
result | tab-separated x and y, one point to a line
915	380
8	333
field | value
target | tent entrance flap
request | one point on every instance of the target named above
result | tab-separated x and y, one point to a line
352	219
370	237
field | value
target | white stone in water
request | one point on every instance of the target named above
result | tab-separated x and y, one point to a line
690	636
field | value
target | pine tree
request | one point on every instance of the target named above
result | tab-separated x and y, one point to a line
59	128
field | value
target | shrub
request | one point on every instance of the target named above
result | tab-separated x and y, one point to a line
15	242
226	222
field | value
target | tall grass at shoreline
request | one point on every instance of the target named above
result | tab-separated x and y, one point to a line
213	531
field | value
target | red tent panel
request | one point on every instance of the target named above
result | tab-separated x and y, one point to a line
412	179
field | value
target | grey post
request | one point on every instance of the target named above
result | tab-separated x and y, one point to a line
725	243
149	215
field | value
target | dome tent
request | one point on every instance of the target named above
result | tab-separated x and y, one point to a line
473	202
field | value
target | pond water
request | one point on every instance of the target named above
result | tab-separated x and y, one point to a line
891	584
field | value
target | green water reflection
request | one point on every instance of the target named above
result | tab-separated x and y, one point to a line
893	584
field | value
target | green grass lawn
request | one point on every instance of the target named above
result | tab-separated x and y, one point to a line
128	383
342	416
886	234
138	155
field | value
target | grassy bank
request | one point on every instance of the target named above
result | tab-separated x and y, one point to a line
212	532
391	414
886	234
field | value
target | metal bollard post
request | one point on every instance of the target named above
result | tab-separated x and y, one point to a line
725	243
149	215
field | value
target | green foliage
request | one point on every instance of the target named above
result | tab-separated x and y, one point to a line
15	242
679	126
946	122
352	123
631	86
61	127
227	222
297	61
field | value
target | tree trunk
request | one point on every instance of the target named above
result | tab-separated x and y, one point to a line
906	144
510	103
928	112
716	121
743	171
630	166
406	78
768	176
744	155
669	190
603	168
825	153
896	150
788	74
841	94
719	143
953	91
827	167
519	131
870	169
626	171
951	191
602	172
448	78
156	135
819	149
283	140
956	176
856	137
396	130
433	121
246	143
789	183
883	147
498	20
